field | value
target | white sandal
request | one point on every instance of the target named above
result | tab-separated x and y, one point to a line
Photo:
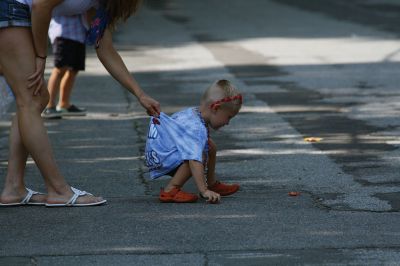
72	201
26	200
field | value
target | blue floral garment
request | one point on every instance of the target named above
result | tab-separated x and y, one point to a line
173	140
97	27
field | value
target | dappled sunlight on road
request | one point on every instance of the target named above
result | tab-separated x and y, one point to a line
205	216
255	109
129	249
100	160
350	50
278	151
326	233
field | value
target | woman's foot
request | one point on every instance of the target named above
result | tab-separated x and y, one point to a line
73	198
23	196
224	189
176	195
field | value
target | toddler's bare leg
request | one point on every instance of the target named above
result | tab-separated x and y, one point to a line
212	159
218	187
179	179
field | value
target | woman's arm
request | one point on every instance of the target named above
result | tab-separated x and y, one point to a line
112	61
197	170
40	19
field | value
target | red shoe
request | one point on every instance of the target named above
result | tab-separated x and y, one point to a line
224	189
178	196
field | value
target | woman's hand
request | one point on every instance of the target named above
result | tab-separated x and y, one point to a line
36	80
40	18
152	106
211	196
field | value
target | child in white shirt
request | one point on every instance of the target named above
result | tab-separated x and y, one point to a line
180	145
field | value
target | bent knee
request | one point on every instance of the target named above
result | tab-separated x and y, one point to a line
28	101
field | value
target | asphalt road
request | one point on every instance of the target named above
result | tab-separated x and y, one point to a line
306	70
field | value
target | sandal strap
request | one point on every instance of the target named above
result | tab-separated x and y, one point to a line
29	195
77	193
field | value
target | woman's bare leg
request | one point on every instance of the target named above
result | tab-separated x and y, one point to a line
14	182
17	57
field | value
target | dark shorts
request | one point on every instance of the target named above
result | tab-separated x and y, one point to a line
69	53
13	13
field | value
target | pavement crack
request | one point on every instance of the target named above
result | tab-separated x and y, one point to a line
139	128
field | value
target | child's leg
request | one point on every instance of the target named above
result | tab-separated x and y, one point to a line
173	192
54	85
212	159
213	184
180	177
66	86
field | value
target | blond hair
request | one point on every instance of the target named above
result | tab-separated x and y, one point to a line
120	10
222	94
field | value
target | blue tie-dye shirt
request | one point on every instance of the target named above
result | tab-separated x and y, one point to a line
173	140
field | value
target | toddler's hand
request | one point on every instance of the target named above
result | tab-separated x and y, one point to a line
211	196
